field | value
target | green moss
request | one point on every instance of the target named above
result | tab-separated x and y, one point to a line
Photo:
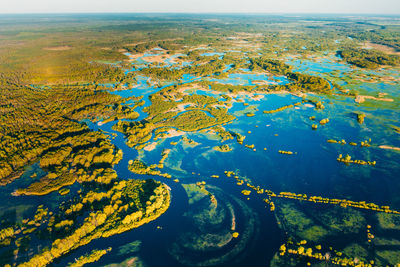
378	241
392	256
344	221
298	224
128	263
356	251
313	233
389	221
130	248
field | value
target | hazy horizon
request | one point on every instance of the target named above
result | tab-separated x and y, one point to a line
384	7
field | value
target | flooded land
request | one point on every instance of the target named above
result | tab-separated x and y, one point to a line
199	140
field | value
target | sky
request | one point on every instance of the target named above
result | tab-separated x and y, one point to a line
202	6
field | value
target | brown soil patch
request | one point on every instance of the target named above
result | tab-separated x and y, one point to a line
58	48
156	59
383	48
362	98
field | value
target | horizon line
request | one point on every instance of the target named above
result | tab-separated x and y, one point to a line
197	13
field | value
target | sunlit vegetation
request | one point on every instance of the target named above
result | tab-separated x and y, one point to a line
106	212
223	148
189	142
43	124
246	192
64	191
324	121
315	199
360	118
308	83
319	105
281	108
368	58
272	65
200	114
81	63
285	152
126	205
239	138
300	82
213	66
56	80
164	156
334	257
5	235
340	219
139	167
347	159
250	146
222	133
94	256
227	88
195	120
135	132
365	143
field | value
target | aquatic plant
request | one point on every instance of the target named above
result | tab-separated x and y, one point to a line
282	108
223	148
324	121
120	214
347	159
94	256
360	118
139	167
286	152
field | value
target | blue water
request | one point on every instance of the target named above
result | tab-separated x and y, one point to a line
313	168
249	78
209	54
311	146
323	66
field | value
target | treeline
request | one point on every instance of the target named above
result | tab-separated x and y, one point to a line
142	47
201	66
388	36
44	123
308	83
169	74
368	58
122	207
74	64
200	112
271	65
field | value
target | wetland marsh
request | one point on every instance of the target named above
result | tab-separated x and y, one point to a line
239	145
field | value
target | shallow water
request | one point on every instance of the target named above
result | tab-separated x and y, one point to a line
313	168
